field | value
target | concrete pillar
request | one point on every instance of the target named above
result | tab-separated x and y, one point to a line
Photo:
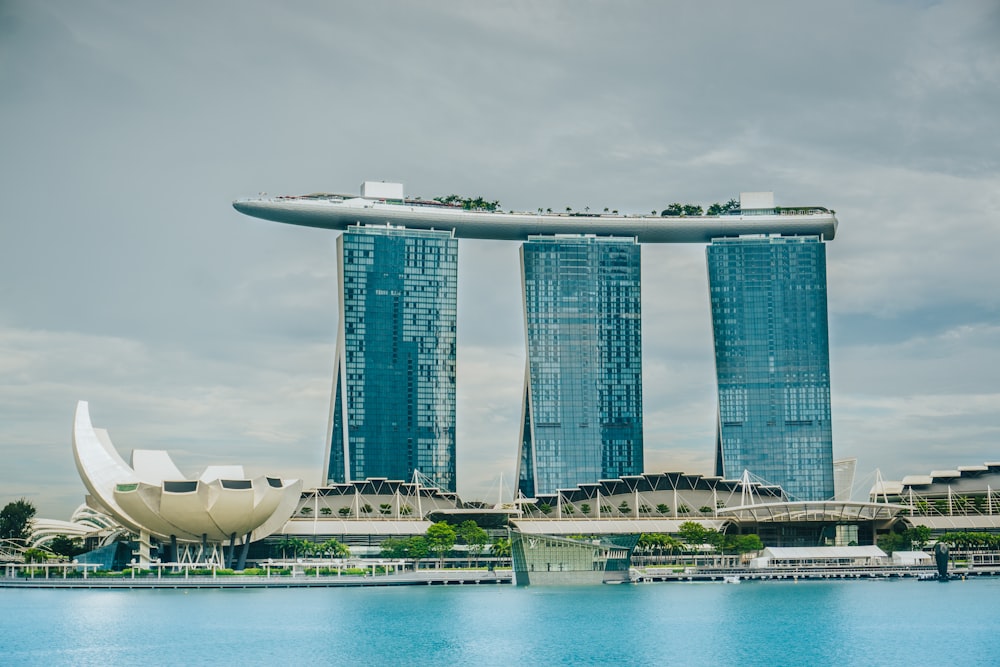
242	562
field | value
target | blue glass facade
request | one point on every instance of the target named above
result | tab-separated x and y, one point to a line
582	406
772	357
393	408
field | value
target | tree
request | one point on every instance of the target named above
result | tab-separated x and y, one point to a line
417	547
34	555
15	520
392	547
366	509
344	512
333	549
296	545
692	533
325	511
306	511
501	547
544	508
440	539
890	542
919	535
473	536
66	546
385	508
585	508
692	209
469	203
414	548
742	544
673	210
659	542
285	545
624	508
663	508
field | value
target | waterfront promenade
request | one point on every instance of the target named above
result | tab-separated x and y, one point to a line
734	575
444	577
458	577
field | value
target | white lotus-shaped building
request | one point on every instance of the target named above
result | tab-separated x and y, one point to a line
151	496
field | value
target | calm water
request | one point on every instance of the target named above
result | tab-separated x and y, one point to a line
758	623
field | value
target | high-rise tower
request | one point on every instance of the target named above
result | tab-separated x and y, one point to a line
772	357
393	404
582	407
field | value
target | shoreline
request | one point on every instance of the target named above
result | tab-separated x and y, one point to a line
422	578
481	578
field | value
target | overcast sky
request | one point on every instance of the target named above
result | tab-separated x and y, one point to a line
127	279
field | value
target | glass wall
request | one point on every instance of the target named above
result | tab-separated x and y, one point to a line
772	357
393	408
582	406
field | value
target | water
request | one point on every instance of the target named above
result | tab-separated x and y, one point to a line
754	623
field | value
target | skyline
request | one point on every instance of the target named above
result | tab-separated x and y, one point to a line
129	281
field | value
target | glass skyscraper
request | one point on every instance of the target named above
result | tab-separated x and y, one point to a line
393	404
772	357
582	406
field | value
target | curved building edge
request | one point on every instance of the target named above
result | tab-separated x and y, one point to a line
502	226
152	496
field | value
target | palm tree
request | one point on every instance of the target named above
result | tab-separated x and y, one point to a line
334	549
501	548
285	544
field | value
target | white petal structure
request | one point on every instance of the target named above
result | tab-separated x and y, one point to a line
152	495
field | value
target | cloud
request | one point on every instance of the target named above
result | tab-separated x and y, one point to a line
127	279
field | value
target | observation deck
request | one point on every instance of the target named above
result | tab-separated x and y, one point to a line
338	212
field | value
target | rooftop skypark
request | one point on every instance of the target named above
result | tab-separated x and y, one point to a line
385	204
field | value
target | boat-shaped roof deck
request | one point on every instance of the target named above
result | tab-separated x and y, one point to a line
338	212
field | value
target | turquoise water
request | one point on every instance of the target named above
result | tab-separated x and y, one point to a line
754	623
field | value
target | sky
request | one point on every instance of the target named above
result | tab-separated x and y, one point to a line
128	280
